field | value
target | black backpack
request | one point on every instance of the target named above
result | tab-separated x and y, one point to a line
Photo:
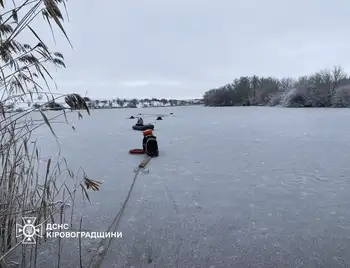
151	146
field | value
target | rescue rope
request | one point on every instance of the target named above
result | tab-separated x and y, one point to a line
105	244
149	115
102	251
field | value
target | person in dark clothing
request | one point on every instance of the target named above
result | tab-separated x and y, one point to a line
139	122
149	143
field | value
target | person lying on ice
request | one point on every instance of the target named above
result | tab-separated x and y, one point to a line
149	143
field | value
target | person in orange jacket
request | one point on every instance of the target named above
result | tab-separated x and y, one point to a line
150	143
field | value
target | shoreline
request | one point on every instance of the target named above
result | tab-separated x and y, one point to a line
190	105
19	110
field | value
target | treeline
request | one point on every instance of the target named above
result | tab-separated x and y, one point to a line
130	103
96	104
326	88
133	103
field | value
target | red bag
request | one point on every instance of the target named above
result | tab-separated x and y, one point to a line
136	151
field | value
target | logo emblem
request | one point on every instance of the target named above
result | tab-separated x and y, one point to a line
29	230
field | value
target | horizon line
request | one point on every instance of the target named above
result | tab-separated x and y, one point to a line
150	98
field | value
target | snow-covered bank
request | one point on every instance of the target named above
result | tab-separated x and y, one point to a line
102	104
143	103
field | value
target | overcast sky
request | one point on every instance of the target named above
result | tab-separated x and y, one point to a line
181	48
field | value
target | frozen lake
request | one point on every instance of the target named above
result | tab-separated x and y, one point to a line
232	187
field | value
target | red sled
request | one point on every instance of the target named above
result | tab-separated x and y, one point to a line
136	151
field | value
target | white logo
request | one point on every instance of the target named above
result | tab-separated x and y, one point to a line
29	230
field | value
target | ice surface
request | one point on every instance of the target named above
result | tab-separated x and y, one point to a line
232	187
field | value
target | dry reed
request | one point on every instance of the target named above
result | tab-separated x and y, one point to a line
24	189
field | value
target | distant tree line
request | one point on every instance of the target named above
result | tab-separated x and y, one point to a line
133	103
97	104
326	88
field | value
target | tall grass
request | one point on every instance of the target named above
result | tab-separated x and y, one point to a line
25	190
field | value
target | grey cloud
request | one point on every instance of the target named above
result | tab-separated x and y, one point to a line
197	44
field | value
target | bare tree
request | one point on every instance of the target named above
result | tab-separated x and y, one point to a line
287	83
316	90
